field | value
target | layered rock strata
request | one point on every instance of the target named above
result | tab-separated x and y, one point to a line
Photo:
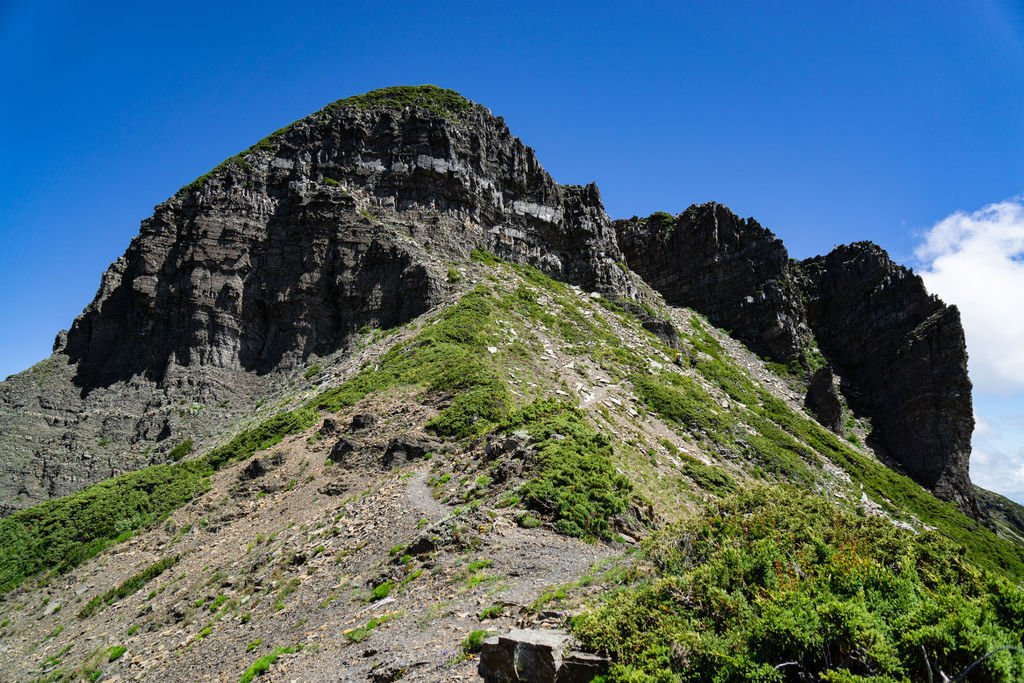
349	218
899	351
343	220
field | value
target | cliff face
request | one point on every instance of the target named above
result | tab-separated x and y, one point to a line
730	269
347	218
903	354
350	218
329	225
899	351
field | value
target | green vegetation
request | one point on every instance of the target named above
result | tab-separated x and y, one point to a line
62	533
128	586
662	220
440	101
449	358
181	450
776	584
528	521
263	664
474	642
360	633
575	481
268	433
492	612
312	371
382	590
711	479
477	565
115	653
679	399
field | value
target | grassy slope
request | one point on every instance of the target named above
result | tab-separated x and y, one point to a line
448	359
778	584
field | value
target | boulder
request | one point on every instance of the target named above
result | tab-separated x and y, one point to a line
330	427
341	450
361	421
408	447
823	400
537	656
255	469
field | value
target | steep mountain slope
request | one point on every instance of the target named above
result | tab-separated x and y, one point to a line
342	220
389	516
899	352
379	382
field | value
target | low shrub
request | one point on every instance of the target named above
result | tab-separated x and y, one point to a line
128	586
263	664
776	584
574	480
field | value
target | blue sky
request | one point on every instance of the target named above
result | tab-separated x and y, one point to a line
828	122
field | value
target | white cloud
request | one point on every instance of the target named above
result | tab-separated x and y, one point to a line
976	261
999	471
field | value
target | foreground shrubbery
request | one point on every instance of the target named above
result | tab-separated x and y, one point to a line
775	584
574	481
61	533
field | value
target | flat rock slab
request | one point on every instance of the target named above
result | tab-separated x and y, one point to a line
537	656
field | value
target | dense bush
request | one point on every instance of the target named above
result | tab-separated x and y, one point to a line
775	584
574	480
62	533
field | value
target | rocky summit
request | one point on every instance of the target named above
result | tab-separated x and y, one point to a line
899	352
378	399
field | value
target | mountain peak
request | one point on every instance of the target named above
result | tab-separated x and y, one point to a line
440	101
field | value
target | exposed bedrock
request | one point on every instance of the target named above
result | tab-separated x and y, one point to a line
903	354
286	250
899	350
730	269
344	219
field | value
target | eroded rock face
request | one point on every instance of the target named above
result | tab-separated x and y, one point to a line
332	225
350	216
823	400
730	269
344	219
899	351
903	353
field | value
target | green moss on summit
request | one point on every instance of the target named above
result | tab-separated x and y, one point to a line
441	101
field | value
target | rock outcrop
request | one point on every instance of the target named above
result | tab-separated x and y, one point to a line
730	269
537	656
343	220
329	225
823	400
902	353
899	351
350	217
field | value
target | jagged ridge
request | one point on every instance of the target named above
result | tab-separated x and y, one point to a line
899	352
